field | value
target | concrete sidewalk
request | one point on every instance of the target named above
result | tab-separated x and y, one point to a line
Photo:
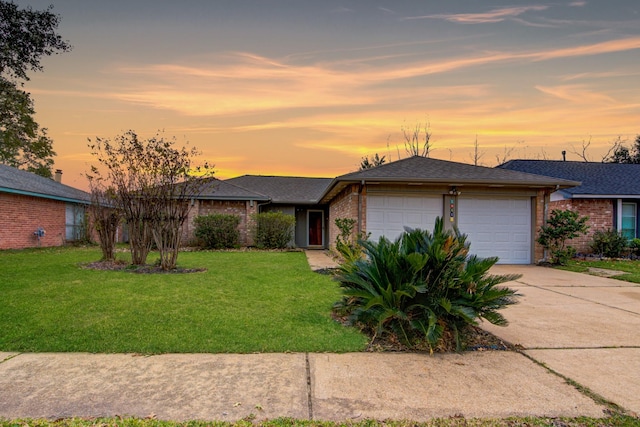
352	386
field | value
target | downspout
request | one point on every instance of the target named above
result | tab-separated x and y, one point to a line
545	215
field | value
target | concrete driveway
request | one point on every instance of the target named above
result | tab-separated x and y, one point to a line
584	327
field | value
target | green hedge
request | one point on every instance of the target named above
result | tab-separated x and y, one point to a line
273	230
218	231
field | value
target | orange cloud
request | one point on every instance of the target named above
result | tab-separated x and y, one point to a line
495	15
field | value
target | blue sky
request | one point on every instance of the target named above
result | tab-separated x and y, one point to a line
307	88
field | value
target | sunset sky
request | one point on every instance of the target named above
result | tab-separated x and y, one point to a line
307	88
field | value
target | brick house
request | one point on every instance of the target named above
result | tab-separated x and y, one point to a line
609	194
500	210
37	211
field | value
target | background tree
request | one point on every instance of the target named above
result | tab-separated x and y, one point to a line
26	36
22	144
375	161
477	154
417	140
154	183
621	154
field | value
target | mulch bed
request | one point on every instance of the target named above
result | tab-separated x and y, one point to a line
140	269
474	338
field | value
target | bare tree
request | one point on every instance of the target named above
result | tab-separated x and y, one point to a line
582	154
506	155
154	183
617	146
417	141
477	155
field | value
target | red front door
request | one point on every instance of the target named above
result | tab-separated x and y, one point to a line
315	228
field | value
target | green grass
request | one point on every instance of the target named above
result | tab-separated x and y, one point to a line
245	302
616	420
632	268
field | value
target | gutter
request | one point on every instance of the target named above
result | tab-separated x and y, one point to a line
44	196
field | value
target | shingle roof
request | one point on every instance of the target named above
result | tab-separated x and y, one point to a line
598	179
419	169
17	181
223	190
426	169
284	189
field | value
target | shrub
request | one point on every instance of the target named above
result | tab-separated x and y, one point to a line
273	230
634	246
562	226
347	245
422	287
609	243
218	231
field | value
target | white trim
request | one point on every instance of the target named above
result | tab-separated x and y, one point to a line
605	196
619	215
322	219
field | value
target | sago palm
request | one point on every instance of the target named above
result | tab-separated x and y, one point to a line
422	285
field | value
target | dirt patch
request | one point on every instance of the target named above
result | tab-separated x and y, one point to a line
139	269
604	272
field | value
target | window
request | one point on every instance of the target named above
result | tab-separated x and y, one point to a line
75	222
629	220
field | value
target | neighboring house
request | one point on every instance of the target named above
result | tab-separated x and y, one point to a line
500	210
37	211
609	193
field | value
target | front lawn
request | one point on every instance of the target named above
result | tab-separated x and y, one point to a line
245	302
631	267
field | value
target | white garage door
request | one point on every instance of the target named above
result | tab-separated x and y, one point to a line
388	215
497	227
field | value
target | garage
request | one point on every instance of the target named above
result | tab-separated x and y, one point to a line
387	215
499	209
497	226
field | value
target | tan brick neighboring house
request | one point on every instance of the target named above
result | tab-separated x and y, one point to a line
37	211
609	194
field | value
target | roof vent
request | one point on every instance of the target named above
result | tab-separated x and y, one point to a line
58	176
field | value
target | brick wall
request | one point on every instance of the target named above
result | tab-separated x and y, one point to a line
599	211
344	205
241	208
22	215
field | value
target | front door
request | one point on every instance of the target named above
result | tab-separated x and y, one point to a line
316	220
